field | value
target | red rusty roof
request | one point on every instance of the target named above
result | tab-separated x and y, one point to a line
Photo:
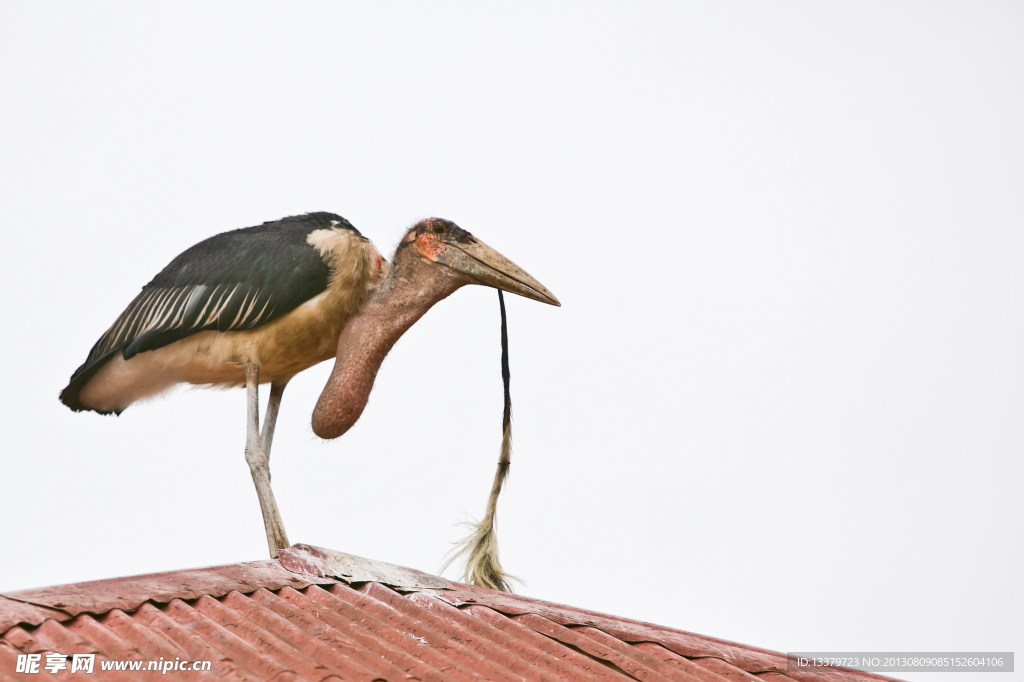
315	614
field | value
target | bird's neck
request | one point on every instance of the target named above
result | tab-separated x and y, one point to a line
409	291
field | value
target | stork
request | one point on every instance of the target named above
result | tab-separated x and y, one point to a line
260	304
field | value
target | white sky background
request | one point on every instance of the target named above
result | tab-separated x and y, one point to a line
782	401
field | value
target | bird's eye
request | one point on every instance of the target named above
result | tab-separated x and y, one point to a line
437	228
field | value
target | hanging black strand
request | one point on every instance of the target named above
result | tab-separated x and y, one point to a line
506	415
481	547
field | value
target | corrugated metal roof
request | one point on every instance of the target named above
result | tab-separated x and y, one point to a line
315	614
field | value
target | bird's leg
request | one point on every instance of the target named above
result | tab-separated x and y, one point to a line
259	463
270	418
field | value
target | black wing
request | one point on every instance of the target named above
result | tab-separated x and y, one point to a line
234	281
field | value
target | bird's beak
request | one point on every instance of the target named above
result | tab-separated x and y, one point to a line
484	265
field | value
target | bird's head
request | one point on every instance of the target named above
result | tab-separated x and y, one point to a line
469	260
434	259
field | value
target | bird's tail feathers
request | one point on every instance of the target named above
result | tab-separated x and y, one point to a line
70	396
